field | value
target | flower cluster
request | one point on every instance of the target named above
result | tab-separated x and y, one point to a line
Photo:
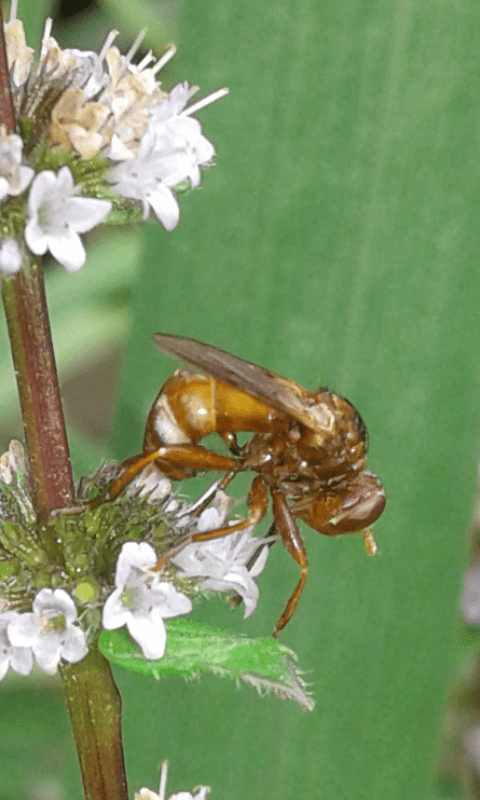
141	600
143	593
96	133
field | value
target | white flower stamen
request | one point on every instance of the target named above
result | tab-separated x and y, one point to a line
206	101
167	56
13	10
133	49
107	44
147	794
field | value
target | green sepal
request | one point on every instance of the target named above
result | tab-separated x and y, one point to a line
18	541
193	648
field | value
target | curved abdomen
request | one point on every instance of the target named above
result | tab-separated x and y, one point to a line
189	407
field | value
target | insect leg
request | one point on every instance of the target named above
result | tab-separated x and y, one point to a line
187	457
257	507
287	528
230	440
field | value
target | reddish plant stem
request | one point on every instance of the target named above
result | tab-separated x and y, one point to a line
94	702
34	361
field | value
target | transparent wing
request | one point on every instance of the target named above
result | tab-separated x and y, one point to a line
282	394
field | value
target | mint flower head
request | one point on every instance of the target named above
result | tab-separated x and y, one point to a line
96	133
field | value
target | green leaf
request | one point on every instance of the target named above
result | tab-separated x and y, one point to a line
193	648
336	242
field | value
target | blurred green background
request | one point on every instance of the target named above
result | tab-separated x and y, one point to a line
336	242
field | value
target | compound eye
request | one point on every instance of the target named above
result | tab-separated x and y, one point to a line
362	506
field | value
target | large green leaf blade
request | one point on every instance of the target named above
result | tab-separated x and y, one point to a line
335	242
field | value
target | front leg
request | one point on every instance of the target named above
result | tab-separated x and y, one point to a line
287	528
176	461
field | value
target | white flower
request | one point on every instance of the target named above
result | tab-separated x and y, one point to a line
142	603
471	595
89	72
147	794
50	630
10	257
19	659
19	56
471	744
57	216
171	151
93	104
228	563
14	178
12	462
141	178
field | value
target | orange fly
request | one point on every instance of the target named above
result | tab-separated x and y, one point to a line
308	448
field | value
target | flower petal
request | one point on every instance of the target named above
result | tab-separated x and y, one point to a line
47	652
115	614
68	250
86	213
55	601
133	554
149	632
25	630
75	645
165	206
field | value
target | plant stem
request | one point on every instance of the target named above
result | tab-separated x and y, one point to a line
92	696
34	362
94	706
